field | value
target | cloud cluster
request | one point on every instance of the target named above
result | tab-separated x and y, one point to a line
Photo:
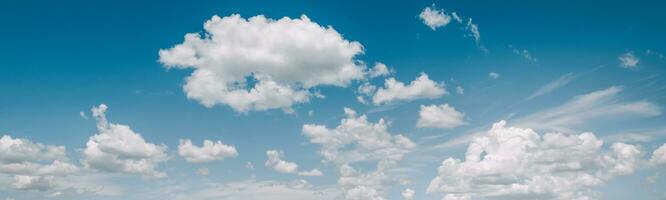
34	166
261	64
210	151
276	163
440	116
358	140
435	18
510	162
117	148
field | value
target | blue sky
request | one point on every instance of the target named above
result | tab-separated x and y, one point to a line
561	69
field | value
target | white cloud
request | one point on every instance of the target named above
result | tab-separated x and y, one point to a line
456	17
210	151
434	18
473	30
494	75
523	53
421	88
602	104
284	58
510	162
313	172
408	194
659	156
83	115
442	116
117	148
380	69
628	60
276	163
552	86
358	140
40	183
18	150
34	166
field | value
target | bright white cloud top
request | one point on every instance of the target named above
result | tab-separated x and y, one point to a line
261	64
117	148
510	162
440	116
210	151
421	88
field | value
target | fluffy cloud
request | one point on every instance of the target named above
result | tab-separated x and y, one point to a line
34	166
357	140
659	156
380	69
17	150
117	148
421	88
628	60
408	194
434	18
261	64
442	116
276	163
510	162
210	151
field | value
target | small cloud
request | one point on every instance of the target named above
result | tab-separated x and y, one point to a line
494	75
523	53
434	18
654	53
628	60
249	166
83	115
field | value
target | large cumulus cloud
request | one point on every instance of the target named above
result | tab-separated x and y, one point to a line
510	162
260	63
